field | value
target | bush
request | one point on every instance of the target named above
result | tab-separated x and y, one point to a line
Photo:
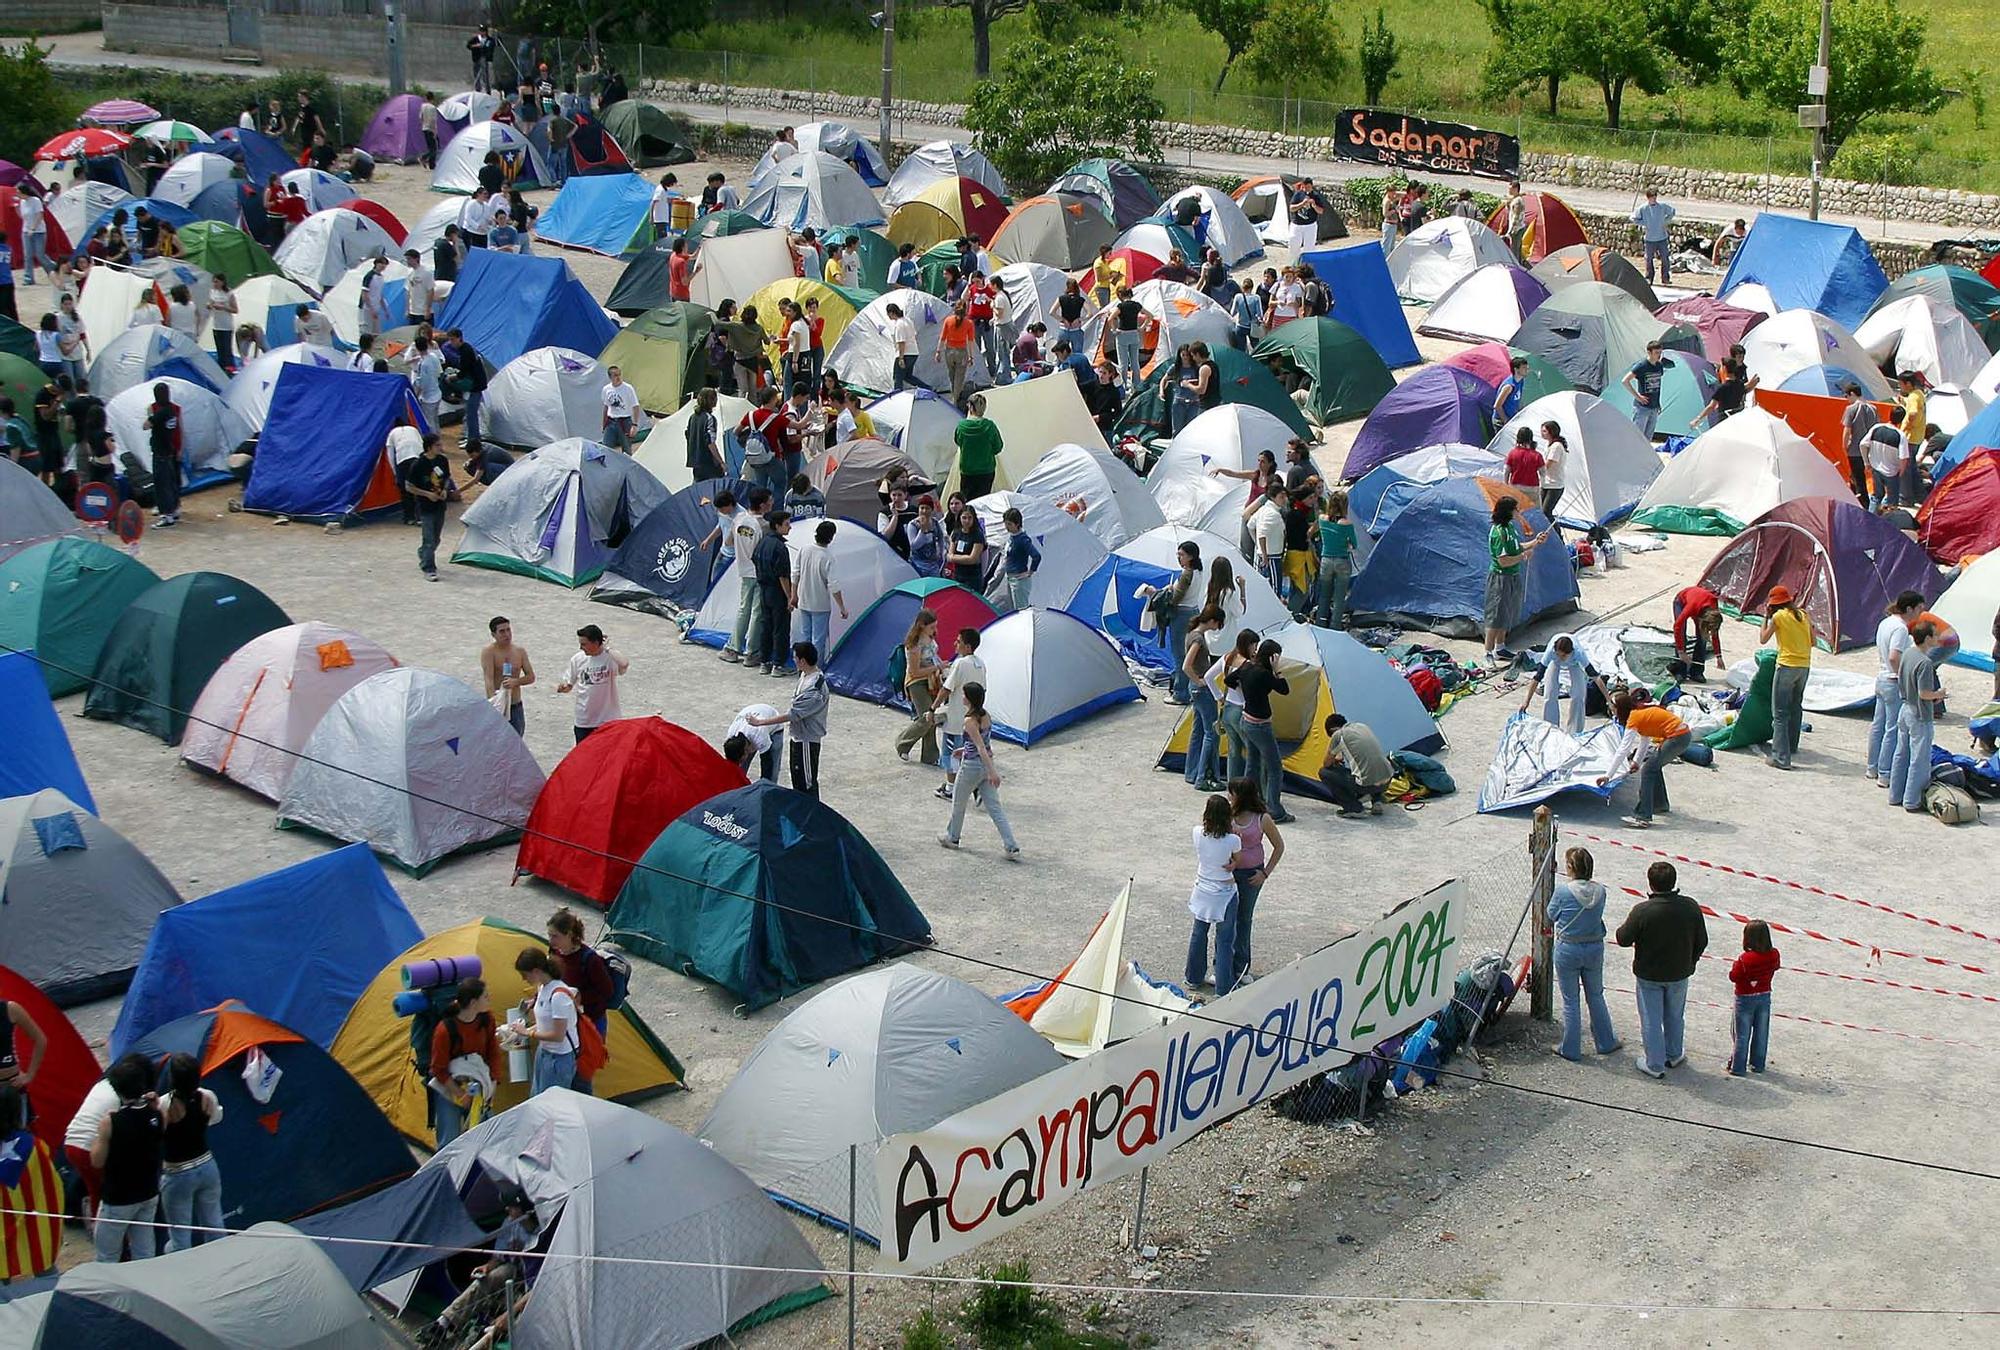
924	1333
1364	198
211	101
1878	159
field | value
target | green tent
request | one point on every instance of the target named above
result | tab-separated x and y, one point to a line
1543	378
718	223
162	649
1960	287
20	380
931	265
876	255
16	339
1348	377
225	251
1244	380
647	135
662	353
60	598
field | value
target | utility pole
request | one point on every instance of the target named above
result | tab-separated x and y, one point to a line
394	15
1814	114
888	69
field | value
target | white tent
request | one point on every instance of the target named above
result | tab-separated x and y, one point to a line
1986	383
1102	997
210	429
324	246
891	1050
80	206
1487	304
1030	288
1786	343
257	296
1229	436
415	765
431	225
1969	605
548	394
1221	225
321	189
1098	489
249	394
1752	295
108	304
1919	333
135	356
1046	669
1109	599
922	425
865	356
735	266
468	106
1949	407
1070	552
1427	261
1151	238
458	163
935	161
1183	314
864	566
1609	464
1734	473
837	140
662	452
30	511
188	175
257	711
342	302
814	189
559	512
1034	417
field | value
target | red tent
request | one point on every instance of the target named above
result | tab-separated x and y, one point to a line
1551	225
1961	517
1721	326
58	244
1992	269
69	1070
610	798
1138	267
378	213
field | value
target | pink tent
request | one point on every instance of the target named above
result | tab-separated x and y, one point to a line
395	132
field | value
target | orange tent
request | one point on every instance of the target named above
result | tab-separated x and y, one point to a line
1551	225
1815	417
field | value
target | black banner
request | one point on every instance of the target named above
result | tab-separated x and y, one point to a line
1377	137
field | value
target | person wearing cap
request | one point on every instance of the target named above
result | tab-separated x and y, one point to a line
1644	382
1789	625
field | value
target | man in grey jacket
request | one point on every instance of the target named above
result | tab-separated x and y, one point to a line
1667	936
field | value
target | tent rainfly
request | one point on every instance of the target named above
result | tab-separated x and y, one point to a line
935	161
59	600
1609	463
168	641
1431	259
559	513
1734	473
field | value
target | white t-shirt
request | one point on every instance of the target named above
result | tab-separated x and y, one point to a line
554	1003
373	309
98	1103
1891	635
475	216
798	338
246	121
1267	525
904	334
845	428
418	290
1887	448
812	576
620	401
221	310
316	329
1214	886
405	443
663	205
964	670
1288	297
596	681
1555	455
745	529
30	209
758	736
182	317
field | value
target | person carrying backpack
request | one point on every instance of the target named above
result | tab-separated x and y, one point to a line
462	1044
555	1033
591	974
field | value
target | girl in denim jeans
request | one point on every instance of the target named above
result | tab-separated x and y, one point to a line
1576	914
1751	973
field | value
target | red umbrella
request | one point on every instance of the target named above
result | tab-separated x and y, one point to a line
90	141
378	213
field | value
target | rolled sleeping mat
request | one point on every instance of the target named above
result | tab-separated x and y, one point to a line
411	1002
441	970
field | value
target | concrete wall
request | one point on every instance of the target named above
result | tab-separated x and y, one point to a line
29	16
167	32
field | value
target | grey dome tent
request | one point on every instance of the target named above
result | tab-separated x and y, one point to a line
29	511
77	900
1593	332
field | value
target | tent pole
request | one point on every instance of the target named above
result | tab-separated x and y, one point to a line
853	1162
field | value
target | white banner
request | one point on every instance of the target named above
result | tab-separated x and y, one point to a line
992	1167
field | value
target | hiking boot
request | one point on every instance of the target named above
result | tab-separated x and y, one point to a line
733	658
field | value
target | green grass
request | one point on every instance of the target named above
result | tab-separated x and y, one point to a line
1443	45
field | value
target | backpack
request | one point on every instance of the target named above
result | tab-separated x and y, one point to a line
756	448
1952	805
899	667
592	1054
1429	688
620	971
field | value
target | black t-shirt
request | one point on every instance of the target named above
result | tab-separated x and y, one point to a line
444	260
163	426
1070	307
149	232
1179	272
1128	315
963	541
1298	529
491	177
1729	397
1214	394
1302	207
430	473
132	1165
86	415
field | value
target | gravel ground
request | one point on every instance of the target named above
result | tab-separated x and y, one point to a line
1479	1194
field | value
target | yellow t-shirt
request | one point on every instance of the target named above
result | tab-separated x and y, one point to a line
1794	635
1102	274
1916	413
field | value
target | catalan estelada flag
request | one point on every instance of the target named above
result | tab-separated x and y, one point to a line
32	1195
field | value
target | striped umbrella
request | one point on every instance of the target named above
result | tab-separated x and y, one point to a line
120	112
166	129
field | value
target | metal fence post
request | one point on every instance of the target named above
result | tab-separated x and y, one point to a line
1541	971
853	1165
725	86
1139	1218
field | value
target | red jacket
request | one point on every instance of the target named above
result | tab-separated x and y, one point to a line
1687	605
1752	972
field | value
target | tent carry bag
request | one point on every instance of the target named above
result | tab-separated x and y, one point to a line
1952	805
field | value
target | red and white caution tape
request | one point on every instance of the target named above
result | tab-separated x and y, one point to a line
1829	1022
1882	980
1875	952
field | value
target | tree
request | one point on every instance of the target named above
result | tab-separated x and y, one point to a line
1295	44
1877	60
1105	109
1615	43
984	14
1527	50
656	20
1234	21
33	107
1379	56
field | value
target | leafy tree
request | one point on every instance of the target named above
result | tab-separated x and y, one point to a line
1105	109
1615	43
984	14
1526	52
1699	33
33	105
1234	21
1379	57
1877	60
656	20
1295	45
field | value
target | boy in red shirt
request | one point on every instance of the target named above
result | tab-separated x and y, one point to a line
1751	973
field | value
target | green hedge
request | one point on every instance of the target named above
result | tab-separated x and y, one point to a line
211	101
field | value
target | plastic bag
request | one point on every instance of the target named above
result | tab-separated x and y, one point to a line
260	1076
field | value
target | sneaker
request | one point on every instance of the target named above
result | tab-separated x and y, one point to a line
1678	1060
903	754
1374	808
1346	815
1284	817
430	576
778	672
165	522
733	658
764	669
1635	823
1639	1063
943	792
946	841
1613	1048
1013	854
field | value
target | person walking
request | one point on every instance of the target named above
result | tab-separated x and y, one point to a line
163	440
1667	937
1217	850
593	675
1892	640
190	1182
922	678
1201	769
1258	679
902	336
621	411
127	1151
1793	631
966	668
1555	467
771	560
427	479
979	448
34	235
976	776
1654	738
1506	584
1020	560
1515	223
1246	313
465	1066
1752	973
1127	316
1564	669
817	589
956	336
1916	721
1260	849
1576	917
553	1031
1655	220
427	123
504	665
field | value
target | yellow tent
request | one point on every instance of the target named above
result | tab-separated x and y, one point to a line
374	1043
951	208
1298	718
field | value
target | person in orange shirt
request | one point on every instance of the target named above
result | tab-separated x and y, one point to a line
1654	738
954	347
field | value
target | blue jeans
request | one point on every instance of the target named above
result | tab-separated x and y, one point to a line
446	1115
990	349
1267	762
1645	419
771	643
1552	702
1127	346
119	1225
1202	747
553	1071
1882	731
1580	976
747	610
1753	1033
1230	719
1330	592
1183	410
35	248
1196	972
472	402
1238	924
1662	1004
192	1200
1177	640
814	627
1653	777
1656	250
973	775
1910	768
1788	706
1020	586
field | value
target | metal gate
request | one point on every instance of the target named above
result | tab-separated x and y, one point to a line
244	32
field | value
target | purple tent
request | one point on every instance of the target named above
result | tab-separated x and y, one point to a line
1439	405
395	132
11	173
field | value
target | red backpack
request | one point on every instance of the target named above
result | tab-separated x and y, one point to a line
1429	688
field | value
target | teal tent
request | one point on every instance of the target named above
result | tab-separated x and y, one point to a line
168	642
59	598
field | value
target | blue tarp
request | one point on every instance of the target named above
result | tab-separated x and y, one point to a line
605	213
297	945
1364	298
423	1215
510	303
1809	264
324	439
38	754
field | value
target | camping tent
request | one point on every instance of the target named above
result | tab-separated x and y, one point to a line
1685	390
921	425
415	765
1959	288
1439	405
1808	264
548	394
1961	517
1266	203
462	110
69	1068
813	189
1429	260
29	511
885	1052
84	204
1926	335
1035	416
1071	554
1059	229
1593	333
165	645
1142	250
837	141
1536	759
874	253
1098	489
395	131
1734	473
1178	315
1842	563
858	664
1244	381
1487	304
210	431
764	891
76	899
1609	464
249	394
1552	225
1575	263
1347	376
611	796
59	599
187	176
1109	598
729	267
559	513
1229	436
458	162
430	226
1789	342
1364	298
38	750
314	1140
662	451
669	561
117	296
648	135
1982	432
145	354
257	711
298	942
1220	224
373	1043
509	303
1428	570
935	161
864	566
1379	496
322	249
1969	605
661	355
837	306
951	208
646	281
322	190
1721	326
324	451
1951	409
1118	190
715	1257
604	213
1100	998
864	356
